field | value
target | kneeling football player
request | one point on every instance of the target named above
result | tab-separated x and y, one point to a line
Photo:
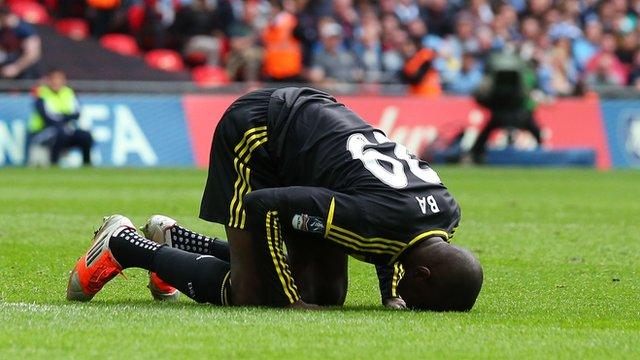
293	165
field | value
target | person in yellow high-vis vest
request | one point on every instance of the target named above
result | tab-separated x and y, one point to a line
53	122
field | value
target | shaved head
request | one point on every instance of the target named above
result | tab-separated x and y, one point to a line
440	277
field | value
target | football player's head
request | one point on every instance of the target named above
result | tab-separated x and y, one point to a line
440	277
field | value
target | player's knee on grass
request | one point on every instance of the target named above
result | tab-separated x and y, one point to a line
248	287
319	290
319	267
330	282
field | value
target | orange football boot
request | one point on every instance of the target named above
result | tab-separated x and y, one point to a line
160	290
97	266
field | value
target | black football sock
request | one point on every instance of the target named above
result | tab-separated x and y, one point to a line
185	239
203	278
132	250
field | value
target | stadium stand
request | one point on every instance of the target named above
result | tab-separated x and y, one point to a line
89	60
571	44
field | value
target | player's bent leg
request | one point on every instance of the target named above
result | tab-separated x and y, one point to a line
203	278
248	287
117	246
320	269
165	230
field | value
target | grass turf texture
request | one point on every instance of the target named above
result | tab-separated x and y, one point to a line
560	252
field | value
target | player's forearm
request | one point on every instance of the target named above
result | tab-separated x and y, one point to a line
388	278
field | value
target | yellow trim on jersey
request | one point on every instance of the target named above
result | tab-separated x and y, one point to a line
283	259
374	245
330	216
426	234
452	233
357	242
386	242
277	256
365	243
251	139
360	248
398	273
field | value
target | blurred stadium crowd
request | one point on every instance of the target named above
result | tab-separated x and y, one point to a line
433	45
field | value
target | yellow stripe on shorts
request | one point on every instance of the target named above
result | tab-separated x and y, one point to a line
251	140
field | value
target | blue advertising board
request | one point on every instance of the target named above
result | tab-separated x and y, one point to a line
128	130
153	130
622	125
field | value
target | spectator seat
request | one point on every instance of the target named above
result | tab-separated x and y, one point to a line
30	11
209	76
164	59
120	43
75	28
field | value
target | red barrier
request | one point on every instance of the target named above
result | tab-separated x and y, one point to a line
203	113
417	122
575	123
566	123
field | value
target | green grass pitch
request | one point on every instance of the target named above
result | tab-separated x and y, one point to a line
560	249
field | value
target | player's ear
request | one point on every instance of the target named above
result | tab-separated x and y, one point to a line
423	273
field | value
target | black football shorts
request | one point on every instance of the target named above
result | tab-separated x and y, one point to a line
239	161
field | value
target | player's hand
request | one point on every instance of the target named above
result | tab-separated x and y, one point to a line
301	305
394	303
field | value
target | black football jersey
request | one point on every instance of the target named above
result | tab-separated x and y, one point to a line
316	141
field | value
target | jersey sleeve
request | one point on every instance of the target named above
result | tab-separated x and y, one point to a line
388	278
